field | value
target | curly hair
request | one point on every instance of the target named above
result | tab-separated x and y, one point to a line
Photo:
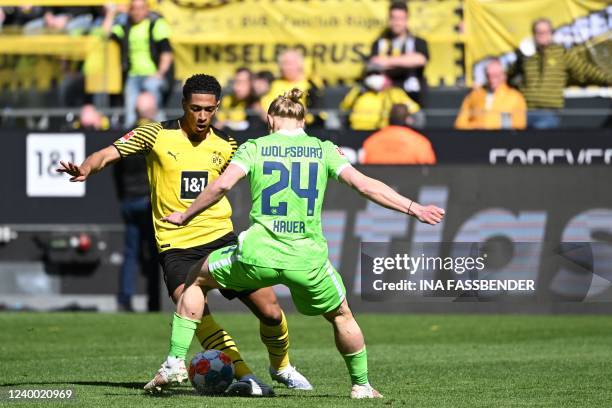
201	84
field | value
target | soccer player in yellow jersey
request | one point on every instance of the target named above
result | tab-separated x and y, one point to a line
183	156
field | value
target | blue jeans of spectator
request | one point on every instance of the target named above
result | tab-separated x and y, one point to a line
134	85
543	119
139	251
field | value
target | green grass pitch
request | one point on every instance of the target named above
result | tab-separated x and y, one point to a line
415	361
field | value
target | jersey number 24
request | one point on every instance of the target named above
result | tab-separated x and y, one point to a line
310	193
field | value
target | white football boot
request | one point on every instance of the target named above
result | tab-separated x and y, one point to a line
291	378
171	372
249	386
364	391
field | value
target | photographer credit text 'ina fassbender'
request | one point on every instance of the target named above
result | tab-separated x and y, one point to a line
458	265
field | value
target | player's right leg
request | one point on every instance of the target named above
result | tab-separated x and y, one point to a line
274	333
176	265
351	345
229	273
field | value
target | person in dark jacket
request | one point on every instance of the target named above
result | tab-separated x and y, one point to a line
402	55
139	247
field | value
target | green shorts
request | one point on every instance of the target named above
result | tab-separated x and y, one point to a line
314	292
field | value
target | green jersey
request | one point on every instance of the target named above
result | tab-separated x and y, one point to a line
288	173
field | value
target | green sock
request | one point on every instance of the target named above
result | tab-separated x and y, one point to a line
357	364
182	333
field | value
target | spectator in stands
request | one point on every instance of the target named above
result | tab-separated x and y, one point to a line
139	248
402	55
71	20
91	119
397	143
368	104
146	55
262	81
545	74
292	75
146	108
71	89
495	106
19	16
233	110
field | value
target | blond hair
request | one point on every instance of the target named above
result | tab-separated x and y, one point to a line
288	105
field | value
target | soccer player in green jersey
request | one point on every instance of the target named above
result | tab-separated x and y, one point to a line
288	173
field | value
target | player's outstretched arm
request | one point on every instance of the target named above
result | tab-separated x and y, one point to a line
211	195
92	164
384	195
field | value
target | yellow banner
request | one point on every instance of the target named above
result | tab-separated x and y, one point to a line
61	3
102	66
334	35
497	28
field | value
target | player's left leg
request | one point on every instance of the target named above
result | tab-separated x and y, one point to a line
321	292
274	334
351	345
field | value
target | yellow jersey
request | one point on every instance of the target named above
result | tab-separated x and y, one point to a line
178	170
369	110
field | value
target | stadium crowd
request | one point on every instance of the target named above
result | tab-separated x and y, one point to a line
526	93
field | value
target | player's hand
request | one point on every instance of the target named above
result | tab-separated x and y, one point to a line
176	218
429	214
77	173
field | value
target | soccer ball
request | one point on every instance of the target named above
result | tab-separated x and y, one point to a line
211	372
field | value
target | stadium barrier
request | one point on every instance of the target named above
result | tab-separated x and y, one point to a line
33	62
533	204
531	147
585	108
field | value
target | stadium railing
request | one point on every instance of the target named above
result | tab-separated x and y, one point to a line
436	118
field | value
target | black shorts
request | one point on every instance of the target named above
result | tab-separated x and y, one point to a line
176	264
